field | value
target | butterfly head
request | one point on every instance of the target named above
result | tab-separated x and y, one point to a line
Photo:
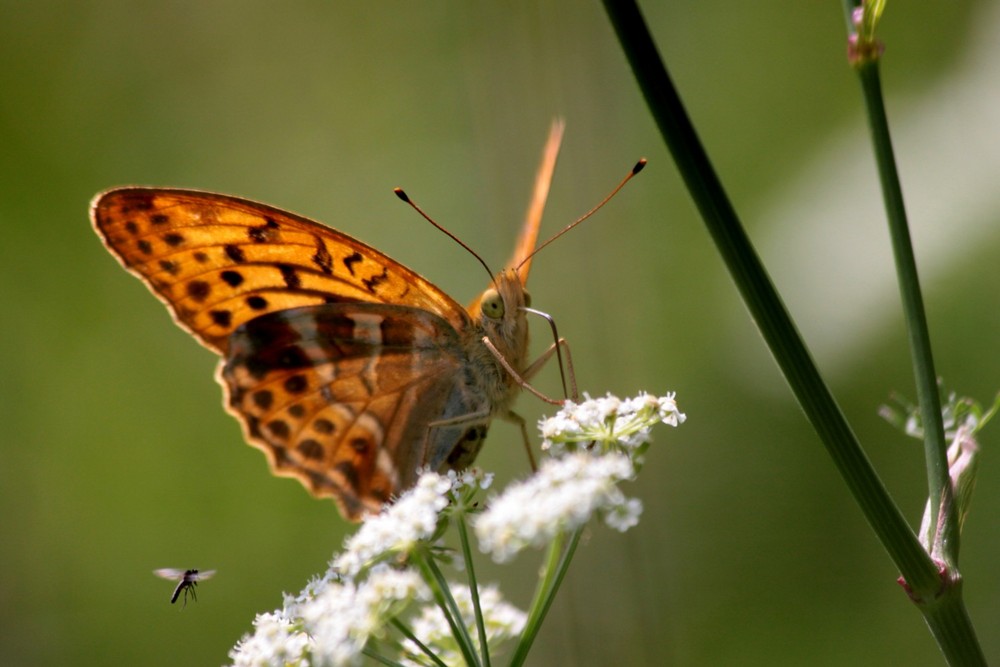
499	310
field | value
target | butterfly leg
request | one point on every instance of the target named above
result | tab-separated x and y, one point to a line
537	364
520	378
515	418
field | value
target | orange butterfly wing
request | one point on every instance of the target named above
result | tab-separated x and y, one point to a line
335	357
218	261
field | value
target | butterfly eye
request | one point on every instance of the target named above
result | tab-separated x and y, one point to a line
527	299
492	304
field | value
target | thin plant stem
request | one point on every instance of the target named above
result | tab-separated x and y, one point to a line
463	533
946	543
380	658
943	606
556	566
763	301
442	595
406	632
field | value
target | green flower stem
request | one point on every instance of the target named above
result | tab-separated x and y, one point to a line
946	543
763	301
556	566
406	632
463	533
942	606
379	658
952	628
442	596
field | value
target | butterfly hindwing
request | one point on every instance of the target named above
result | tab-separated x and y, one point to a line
341	396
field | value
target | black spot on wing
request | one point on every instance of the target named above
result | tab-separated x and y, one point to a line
256	302
322	258
372	283
232	278
235	253
351	260
264	233
199	290
289	275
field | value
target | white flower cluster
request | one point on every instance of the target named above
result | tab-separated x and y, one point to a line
593	445
277	640
610	422
560	497
348	612
333	619
398	527
345	616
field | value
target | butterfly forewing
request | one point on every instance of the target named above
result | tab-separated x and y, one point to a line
219	261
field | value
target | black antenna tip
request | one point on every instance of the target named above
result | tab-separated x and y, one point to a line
402	195
638	166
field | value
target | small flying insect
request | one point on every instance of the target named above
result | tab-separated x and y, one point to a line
187	581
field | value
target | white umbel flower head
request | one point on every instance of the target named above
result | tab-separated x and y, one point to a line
277	640
609	423
399	527
562	496
342	618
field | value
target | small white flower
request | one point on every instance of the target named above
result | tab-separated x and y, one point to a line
502	621
277	640
560	497
398	527
474	479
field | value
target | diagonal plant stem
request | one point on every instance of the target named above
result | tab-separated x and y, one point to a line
435	579
426	650
938	599
762	300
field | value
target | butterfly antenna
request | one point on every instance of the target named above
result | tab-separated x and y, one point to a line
406	198
635	170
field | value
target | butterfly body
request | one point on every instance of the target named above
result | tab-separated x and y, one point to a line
349	370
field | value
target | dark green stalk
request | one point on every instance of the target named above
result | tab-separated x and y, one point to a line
762	299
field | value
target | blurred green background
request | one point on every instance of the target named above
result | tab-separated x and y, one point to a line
117	457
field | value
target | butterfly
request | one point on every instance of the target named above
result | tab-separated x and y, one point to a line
188	580
349	370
